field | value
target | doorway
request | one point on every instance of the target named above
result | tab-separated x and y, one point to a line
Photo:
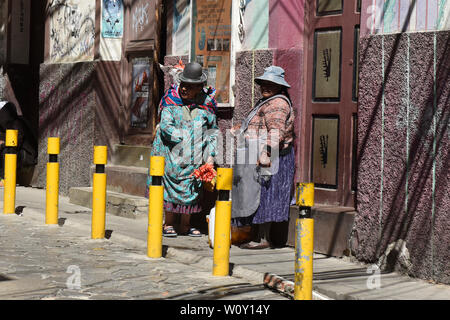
140	74
332	30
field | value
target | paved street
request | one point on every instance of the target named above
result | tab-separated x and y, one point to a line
60	262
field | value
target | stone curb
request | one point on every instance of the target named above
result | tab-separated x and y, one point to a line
286	287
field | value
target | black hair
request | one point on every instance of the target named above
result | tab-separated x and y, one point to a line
284	91
8	113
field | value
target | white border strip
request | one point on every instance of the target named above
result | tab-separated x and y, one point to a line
382	140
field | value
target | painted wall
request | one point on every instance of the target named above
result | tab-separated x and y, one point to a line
72	30
391	16
403	187
181	27
256	25
286	24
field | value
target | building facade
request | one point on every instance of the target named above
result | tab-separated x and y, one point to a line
369	83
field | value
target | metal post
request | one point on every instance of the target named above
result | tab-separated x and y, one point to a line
222	226
304	242
9	197
99	193
155	208
52	191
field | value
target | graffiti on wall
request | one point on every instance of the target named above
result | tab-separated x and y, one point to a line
72	30
142	20
140	17
112	19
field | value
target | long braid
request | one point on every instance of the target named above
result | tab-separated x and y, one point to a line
285	92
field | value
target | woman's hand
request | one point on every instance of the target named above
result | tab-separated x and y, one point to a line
235	129
264	160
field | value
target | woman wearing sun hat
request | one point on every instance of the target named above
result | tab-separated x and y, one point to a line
186	112
262	191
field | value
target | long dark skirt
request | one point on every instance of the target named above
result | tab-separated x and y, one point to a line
276	195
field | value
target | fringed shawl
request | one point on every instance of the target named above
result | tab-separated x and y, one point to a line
172	97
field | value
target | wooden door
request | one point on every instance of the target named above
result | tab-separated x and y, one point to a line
140	79
332	28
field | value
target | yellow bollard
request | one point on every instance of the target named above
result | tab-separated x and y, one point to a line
304	243
155	208
99	193
304	195
9	191
52	191
222	226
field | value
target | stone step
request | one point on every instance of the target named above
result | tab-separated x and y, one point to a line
332	229
119	204
125	179
130	155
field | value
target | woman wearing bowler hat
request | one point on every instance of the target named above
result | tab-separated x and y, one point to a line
187	138
263	188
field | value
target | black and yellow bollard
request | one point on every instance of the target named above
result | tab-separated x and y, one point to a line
304	242
99	193
9	191
222	225
155	208
52	191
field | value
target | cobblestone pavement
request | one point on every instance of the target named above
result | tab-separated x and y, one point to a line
58	263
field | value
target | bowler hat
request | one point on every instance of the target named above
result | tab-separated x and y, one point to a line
273	74
192	73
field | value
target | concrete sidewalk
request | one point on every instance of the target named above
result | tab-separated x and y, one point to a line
333	278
